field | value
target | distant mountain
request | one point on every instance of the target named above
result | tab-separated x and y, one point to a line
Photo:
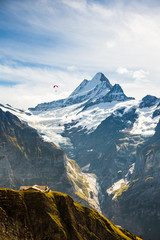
35	215
97	90
98	85
148	101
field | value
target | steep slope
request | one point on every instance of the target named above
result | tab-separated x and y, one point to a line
35	215
141	196
122	153
26	159
108	149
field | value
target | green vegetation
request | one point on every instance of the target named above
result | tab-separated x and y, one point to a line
123	189
52	215
79	181
120	191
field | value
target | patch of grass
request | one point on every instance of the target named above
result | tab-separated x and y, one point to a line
120	191
74	165
81	195
135	180
75	175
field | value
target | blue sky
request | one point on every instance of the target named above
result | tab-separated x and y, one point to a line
47	42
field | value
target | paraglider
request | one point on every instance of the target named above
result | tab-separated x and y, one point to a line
148	178
55	86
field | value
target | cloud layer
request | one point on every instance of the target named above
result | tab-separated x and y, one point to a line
64	41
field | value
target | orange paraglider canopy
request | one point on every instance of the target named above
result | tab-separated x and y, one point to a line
148	178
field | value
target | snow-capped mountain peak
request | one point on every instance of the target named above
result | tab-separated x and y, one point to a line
80	88
117	89
97	84
99	78
116	94
89	92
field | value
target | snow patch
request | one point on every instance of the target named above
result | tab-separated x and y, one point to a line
93	189
86	167
117	185
145	124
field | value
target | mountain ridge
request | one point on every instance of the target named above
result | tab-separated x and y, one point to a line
35	215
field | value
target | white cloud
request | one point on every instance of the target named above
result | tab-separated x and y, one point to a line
122	70
82	38
139	75
35	85
76	4
110	44
71	68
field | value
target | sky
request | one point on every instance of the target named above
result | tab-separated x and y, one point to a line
61	42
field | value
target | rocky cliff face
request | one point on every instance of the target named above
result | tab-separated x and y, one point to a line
26	159
127	166
36	216
141	196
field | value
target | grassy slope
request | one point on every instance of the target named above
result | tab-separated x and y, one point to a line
35	215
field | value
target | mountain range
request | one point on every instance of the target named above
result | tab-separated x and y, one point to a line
113	138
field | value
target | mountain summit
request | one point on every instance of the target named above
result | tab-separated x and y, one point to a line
89	92
97	85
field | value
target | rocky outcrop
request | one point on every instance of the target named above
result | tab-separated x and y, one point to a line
148	101
36	216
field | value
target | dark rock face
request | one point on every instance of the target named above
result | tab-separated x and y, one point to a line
148	101
116	94
35	215
26	159
105	157
138	208
156	113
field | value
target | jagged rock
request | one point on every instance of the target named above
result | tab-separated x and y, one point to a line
148	101
156	113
